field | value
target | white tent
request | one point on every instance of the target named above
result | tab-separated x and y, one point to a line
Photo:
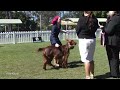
75	20
68	23
10	21
102	19
4	22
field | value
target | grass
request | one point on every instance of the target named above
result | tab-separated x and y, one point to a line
21	61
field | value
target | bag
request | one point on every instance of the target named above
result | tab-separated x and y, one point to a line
102	39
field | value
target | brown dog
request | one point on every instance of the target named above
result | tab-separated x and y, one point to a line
59	54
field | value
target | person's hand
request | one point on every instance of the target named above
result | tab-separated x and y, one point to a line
64	31
67	32
101	26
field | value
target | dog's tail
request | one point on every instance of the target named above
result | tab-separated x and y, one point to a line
40	49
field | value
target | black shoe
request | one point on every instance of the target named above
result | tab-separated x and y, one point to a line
115	76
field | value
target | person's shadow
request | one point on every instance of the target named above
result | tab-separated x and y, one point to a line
104	76
75	64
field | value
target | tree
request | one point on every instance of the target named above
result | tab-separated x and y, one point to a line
100	14
9	16
24	16
31	19
6	15
77	14
72	14
46	17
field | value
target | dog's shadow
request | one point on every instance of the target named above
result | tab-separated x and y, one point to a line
75	64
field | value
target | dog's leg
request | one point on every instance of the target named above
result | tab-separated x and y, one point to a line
63	61
66	61
45	62
51	63
64	65
44	66
60	62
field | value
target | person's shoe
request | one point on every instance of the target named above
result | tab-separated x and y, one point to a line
118	76
115	76
87	77
91	76
57	65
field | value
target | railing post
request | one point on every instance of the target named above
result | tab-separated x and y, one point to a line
14	41
37	34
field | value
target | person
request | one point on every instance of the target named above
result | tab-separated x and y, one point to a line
56	29
112	42
86	28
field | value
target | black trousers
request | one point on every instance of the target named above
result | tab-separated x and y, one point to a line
113	58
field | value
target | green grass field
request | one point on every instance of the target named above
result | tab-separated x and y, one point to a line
21	61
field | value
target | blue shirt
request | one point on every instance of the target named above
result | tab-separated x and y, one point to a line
54	35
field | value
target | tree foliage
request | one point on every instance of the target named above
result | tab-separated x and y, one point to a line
31	19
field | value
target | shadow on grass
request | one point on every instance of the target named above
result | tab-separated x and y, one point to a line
50	68
104	76
75	64
1	46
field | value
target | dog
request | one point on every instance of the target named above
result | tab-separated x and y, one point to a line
60	54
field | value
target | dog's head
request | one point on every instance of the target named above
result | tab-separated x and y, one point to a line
71	43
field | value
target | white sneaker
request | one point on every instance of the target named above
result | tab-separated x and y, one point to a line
87	77
57	65
91	76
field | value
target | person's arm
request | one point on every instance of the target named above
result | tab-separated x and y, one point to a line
78	27
63	31
111	25
100	26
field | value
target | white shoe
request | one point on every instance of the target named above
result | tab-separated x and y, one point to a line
91	76
87	77
57	65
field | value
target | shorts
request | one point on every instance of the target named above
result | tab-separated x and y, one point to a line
87	49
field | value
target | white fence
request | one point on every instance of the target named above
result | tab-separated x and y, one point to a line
27	36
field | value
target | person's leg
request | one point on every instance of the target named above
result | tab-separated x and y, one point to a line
113	57
87	69
109	55
54	60
92	69
91	50
83	53
87	48
115	61
82	49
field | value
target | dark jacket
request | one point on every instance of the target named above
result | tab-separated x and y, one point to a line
112	31
82	29
54	35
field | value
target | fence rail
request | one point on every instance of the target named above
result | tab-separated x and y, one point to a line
27	36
